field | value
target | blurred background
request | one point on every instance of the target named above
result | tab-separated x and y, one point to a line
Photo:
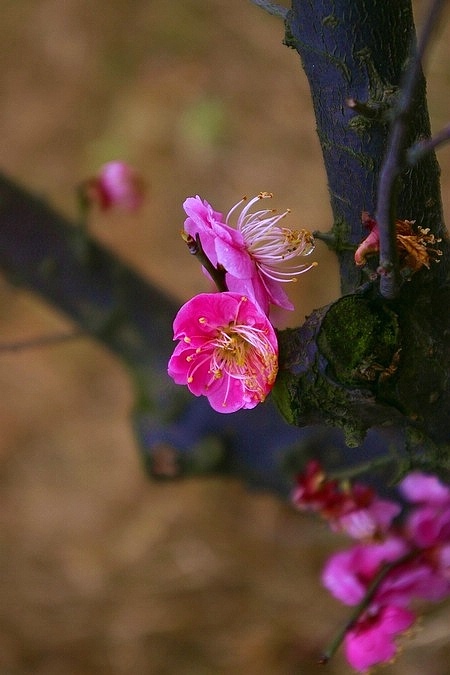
101	570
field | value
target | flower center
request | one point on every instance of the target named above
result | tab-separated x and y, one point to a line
237	352
244	353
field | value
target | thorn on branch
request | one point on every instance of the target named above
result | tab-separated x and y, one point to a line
364	109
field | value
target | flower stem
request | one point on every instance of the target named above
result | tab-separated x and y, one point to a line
218	273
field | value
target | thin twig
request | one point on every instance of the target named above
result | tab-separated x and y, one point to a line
272	8
41	341
396	158
351	472
420	149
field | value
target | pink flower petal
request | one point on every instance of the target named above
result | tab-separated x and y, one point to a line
372	641
418	487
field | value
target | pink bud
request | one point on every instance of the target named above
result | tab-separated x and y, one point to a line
117	185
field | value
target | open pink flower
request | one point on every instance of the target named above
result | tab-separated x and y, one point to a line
228	351
255	252
372	640
117	185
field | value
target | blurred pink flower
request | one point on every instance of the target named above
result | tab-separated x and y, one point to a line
117	185
367	521
372	640
423	488
228	351
354	509
428	524
315	492
350	574
255	252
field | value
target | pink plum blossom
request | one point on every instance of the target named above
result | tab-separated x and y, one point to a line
372	640
348	574
228	351
254	253
371	244
117	184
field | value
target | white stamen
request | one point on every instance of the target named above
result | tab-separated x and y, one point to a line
271	245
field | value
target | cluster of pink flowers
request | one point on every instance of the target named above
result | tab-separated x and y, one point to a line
228	349
391	565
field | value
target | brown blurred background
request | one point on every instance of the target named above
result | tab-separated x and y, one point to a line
101	570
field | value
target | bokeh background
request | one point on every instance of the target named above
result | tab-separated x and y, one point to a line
101	570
